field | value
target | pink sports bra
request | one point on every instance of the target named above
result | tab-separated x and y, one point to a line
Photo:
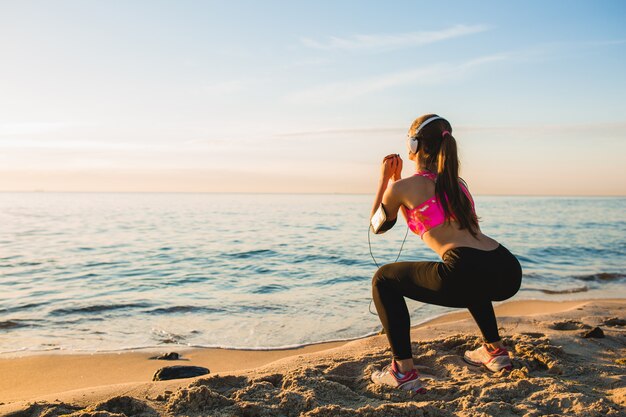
430	213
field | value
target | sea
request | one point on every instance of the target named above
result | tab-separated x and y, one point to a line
102	272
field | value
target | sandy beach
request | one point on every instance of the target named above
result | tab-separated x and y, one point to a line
556	372
185	188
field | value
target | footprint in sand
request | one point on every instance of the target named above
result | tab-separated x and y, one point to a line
427	372
431	377
533	335
568	325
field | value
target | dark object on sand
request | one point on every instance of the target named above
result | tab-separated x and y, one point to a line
614	321
179	371
171	356
596	333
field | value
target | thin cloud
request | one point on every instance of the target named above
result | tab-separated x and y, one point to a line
563	128
566	128
348	90
74	145
340	131
555	50
401	40
34	128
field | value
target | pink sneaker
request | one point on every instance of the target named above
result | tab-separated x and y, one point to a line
390	375
492	360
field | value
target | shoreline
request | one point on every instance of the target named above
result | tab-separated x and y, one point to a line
502	307
67	375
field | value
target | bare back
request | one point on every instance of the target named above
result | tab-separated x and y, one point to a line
415	190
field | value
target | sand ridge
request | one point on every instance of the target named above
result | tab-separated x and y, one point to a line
556	372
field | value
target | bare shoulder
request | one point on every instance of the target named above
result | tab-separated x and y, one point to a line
401	185
407	187
412	182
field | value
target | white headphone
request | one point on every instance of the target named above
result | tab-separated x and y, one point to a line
412	140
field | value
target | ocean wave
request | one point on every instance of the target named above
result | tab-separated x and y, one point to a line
342	279
532	275
21	307
576	252
14	324
602	276
258	269
186	309
21	264
525	259
189	279
135	272
259	308
597	277
104	263
324	227
26	263
97	308
165	337
611	224
327	258
188	259
584	288
82	277
226	309
251	253
269	288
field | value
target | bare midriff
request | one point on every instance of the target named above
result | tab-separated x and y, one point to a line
448	236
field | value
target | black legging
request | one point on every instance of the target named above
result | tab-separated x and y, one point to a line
468	278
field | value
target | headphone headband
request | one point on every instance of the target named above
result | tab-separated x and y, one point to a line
413	139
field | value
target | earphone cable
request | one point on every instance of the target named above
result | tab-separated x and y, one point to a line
376	263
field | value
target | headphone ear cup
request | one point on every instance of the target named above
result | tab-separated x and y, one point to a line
414	145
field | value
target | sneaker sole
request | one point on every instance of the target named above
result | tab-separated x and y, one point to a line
508	367
420	390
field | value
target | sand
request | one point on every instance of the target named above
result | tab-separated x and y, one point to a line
556	372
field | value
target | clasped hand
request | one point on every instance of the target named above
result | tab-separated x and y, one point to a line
391	167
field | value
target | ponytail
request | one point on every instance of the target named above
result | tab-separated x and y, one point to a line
438	148
456	204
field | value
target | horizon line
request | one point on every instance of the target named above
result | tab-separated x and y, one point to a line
288	193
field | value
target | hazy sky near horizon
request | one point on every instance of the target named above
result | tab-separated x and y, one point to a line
309	96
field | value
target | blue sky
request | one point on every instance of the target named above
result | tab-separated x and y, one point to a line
309	96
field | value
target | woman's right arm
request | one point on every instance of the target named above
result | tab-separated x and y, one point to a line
387	196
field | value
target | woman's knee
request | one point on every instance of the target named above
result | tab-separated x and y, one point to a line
383	274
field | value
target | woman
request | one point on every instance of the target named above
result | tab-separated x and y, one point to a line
475	271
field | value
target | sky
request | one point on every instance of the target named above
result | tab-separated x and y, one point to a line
308	97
